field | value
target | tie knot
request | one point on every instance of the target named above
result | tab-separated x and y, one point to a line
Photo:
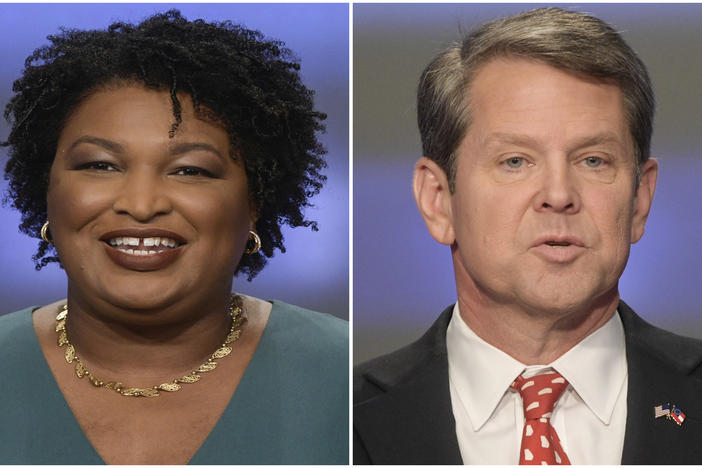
540	393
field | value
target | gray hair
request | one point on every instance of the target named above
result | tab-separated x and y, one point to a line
570	41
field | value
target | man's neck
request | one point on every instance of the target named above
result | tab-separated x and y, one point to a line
532	336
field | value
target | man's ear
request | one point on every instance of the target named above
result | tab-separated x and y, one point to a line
644	198
431	192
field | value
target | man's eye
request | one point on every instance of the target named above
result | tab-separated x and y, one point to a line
593	161
515	163
193	171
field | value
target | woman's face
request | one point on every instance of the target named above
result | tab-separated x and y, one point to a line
141	220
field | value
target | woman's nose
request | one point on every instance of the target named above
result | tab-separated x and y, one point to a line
142	195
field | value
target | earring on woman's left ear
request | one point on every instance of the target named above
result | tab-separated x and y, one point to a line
257	243
44	231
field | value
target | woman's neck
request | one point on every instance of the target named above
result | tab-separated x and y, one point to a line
146	347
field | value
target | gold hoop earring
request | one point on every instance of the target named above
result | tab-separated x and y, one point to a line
44	231
257	243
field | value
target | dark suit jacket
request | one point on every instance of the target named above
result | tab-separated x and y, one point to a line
402	404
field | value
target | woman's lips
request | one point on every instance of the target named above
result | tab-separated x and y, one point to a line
141	249
145	258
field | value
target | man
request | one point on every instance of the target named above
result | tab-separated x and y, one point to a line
536	133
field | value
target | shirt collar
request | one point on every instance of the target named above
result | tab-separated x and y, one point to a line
595	368
479	371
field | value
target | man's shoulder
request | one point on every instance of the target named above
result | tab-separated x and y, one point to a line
644	341
663	368
377	375
402	404
404	365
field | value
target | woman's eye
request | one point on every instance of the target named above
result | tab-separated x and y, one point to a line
593	161
98	166
515	162
193	171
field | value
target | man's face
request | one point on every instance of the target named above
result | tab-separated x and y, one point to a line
545	205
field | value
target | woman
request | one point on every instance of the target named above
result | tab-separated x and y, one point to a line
156	161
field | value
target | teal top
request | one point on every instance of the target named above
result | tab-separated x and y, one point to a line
291	406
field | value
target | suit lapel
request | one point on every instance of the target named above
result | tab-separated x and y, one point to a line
412	422
662	369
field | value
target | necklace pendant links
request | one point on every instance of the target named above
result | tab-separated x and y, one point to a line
224	350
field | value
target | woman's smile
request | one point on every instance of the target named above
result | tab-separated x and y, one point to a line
143	249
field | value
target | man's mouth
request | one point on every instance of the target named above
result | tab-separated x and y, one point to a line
558	244
558	240
143	245
558	249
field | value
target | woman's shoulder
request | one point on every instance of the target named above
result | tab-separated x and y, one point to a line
20	324
307	334
16	324
23	354
311	321
18	315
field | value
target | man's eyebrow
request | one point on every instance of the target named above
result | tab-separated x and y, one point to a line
181	148
600	139
109	145
511	138
606	138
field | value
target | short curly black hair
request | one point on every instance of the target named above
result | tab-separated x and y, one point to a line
234	76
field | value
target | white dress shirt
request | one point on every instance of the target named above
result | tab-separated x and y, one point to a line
590	416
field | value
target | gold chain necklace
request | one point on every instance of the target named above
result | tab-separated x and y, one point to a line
224	350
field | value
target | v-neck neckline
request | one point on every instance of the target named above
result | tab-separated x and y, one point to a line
55	403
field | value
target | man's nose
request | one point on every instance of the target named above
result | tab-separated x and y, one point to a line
142	195
559	189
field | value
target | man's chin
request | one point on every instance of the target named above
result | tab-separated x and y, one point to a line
566	301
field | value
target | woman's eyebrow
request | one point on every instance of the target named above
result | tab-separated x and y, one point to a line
181	148
173	149
109	145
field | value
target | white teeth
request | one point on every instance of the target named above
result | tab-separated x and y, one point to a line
130	251
145	241
151	241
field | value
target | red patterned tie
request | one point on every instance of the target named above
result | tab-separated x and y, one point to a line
540	443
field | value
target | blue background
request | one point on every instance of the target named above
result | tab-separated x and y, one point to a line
313	273
402	277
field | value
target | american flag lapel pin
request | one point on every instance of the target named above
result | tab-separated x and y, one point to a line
661	410
671	412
